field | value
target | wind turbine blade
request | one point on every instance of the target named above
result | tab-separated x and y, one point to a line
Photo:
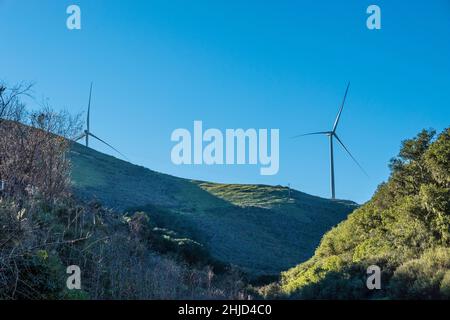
89	108
340	110
94	136
80	137
310	134
356	161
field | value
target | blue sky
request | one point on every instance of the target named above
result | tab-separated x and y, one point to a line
160	65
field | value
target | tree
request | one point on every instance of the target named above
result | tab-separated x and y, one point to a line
409	170
33	146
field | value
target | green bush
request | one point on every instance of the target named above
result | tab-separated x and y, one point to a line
404	229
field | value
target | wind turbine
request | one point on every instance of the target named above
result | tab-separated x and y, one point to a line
87	133
333	135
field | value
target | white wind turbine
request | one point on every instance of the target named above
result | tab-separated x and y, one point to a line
333	135
87	133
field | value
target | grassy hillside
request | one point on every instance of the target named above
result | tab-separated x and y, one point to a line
404	229
255	227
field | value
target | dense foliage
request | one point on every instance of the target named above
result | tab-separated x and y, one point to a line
119	258
403	229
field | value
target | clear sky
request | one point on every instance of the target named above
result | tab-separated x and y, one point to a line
160	65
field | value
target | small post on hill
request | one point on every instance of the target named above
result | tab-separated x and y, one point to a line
289	191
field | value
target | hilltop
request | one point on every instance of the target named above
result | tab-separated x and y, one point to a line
257	228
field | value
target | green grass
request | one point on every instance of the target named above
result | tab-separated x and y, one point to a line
255	227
